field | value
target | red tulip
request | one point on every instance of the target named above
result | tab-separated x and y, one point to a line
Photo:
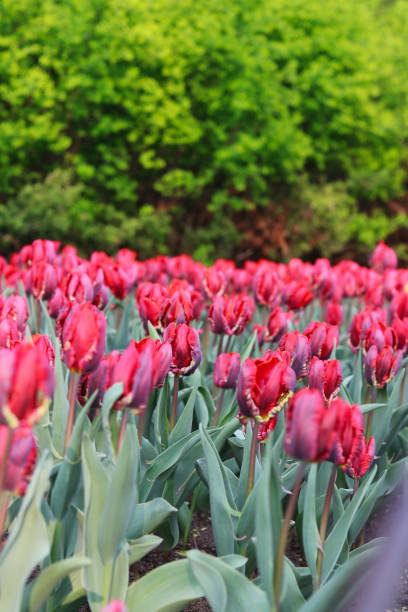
10	335
380	335
230	315
161	355
16	307
185	344
334	313
116	605
350	433
21	459
362	459
296	294
322	338
311	426
360	325
277	325
98	380
56	303
400	326
326	376
26	384
381	366
226	370
213	284
135	370
83	337
44	344
298	347
383	257
42	280
150	297
266	286
265	385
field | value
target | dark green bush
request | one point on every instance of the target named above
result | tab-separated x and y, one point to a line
200	109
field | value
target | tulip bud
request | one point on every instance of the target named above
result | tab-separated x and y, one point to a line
265	385
21	459
230	315
26	384
322	338
83	337
10	335
16	307
161	356
311	426
213	283
42	280
56	303
296	294
277	325
380	335
98	380
350	432
226	370
362	459
298	347
326	376
44	344
400	326
266	286
185	345
177	309
334	314
135	370
383	257
381	367
150	298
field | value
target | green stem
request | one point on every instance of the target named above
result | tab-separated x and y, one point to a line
220	342
205	343
252	458
122	429
190	514
140	426
73	384
323	525
277	577
218	409
174	402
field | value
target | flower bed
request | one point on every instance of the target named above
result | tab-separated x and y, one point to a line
136	395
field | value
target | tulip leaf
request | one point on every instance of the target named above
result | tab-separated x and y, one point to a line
111	396
364	512
28	541
122	337
337	537
59	404
226	589
311	537
153	332
344	585
161	423
268	520
291	597
243	475
44	585
370	407
142	546
208	401
356	385
185	420
221	497
121	497
249	347
68	477
148	516
168	588
246	522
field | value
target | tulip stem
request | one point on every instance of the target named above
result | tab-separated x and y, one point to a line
4	458
73	384
206	340
174	401
218	410
122	429
220	342
3	514
370	415
252	458
227	346
140	426
323	525
290	508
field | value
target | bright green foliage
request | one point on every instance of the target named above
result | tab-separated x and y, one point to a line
202	108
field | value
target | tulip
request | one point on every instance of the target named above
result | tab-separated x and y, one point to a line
380	335
150	298
399	305
10	335
44	344
265	385
116	605
362	459
135	370
298	347
185	344
118	280
334	314
78	287
322	338
230	315
20	460
326	376
350	433
162	356
266	286
383	257
361	323
56	304
98	380
26	384
266	428
83	337
277	325
226	370
42	280
16	308
177	308
213	284
381	366
311	426
296	294
400	327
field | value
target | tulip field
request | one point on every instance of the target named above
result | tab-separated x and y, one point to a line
138	395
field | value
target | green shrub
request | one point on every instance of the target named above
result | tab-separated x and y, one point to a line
189	106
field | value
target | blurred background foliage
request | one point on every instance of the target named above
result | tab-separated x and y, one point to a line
236	129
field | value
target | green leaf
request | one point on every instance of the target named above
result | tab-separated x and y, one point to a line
152	332
268	520
51	576
142	546
185	420
357	380
120	498
232	591
248	348
310	532
220	499
28	541
168	588
148	516
337	537
243	475
161	423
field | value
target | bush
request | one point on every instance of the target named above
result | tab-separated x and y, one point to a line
191	106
